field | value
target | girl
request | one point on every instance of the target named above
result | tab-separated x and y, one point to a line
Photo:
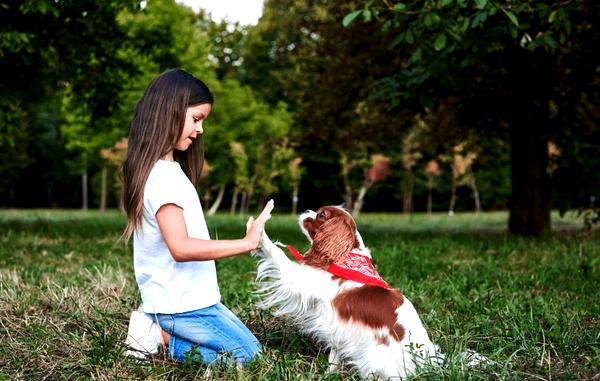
173	253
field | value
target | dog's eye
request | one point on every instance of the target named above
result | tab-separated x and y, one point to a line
321	216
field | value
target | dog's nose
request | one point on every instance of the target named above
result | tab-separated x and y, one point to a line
307	211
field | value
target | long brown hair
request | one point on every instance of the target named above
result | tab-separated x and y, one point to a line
157	125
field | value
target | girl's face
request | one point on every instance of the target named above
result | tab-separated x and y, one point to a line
192	127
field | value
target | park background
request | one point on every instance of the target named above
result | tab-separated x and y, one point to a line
432	106
454	130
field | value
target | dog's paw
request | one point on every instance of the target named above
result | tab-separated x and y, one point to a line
257	253
265	242
263	246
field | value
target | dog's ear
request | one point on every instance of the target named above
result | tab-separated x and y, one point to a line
332	242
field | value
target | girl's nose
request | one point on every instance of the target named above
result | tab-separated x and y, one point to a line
199	128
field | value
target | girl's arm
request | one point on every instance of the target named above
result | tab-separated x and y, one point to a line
183	248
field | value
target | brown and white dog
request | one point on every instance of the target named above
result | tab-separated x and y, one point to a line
335	295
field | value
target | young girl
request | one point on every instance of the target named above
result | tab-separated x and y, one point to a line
173	253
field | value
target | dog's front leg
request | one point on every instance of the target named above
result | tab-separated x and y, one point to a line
291	286
274	263
271	251
334	360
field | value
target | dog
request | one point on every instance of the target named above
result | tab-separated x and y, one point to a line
334	294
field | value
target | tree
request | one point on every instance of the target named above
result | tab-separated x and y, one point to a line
411	154
327	92
241	176
379	170
524	65
48	47
432	170
227	42
461	162
114	156
295	175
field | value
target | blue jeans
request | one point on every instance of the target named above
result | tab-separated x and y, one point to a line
207	335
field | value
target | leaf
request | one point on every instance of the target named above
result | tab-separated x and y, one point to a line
514	31
454	34
550	41
398	39
416	55
386	26
479	19
465	24
399	6
432	20
410	38
428	21
440	42
511	16
481	3
367	15
350	17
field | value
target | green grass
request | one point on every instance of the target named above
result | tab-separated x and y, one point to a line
532	305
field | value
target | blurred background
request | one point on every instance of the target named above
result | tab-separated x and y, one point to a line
424	106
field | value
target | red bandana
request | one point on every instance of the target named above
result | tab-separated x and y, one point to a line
355	267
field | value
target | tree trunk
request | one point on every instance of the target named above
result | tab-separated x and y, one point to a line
103	189
250	193
529	131
215	206
233	201
360	199
408	190
429	194
244	203
345	178
452	197
530	198
84	190
475	194
295	200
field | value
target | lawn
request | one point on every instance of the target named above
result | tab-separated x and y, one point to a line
531	305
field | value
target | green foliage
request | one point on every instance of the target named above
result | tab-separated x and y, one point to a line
239	116
98	69
442	40
240	166
318	80
171	35
227	41
50	49
76	131
505	63
67	288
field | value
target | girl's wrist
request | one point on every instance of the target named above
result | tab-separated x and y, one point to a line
247	244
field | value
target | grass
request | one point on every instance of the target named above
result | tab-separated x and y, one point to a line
532	305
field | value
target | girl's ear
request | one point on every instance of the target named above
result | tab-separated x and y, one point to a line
332	242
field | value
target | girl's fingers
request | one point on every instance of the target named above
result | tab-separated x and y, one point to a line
266	212
249	223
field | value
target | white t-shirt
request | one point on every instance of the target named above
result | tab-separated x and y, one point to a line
168	286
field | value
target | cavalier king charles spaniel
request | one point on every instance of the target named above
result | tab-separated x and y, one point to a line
334	294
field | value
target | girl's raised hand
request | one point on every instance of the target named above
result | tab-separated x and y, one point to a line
254	227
